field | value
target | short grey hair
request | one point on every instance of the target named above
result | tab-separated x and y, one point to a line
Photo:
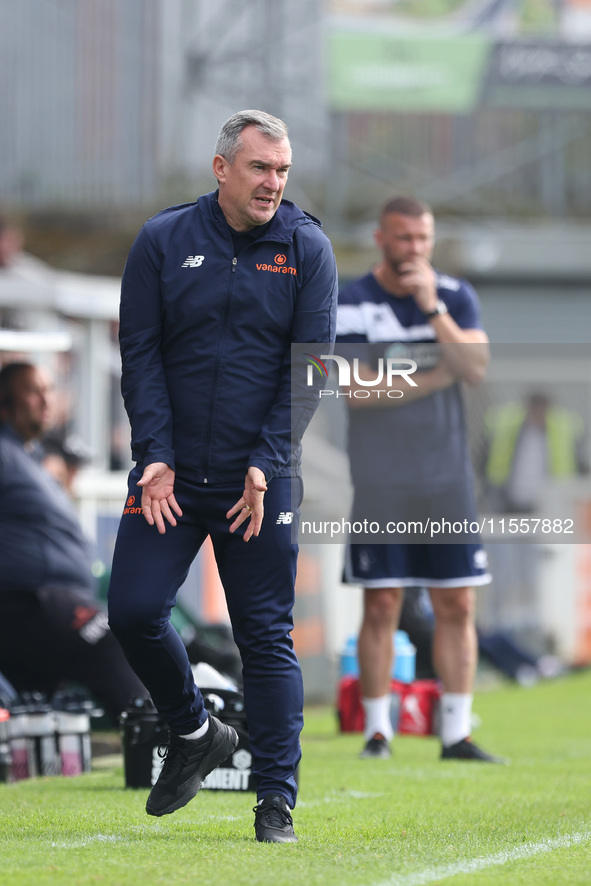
229	142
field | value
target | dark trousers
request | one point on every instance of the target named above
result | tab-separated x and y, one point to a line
55	636
258	579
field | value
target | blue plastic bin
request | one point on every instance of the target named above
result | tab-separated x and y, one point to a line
404	662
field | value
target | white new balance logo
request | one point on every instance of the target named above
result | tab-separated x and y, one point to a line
193	261
285	517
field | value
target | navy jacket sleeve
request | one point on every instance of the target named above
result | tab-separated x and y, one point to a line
143	380
314	321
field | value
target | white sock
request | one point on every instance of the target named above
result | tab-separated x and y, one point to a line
198	732
377	717
456	717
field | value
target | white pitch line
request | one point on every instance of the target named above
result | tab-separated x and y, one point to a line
472	865
86	841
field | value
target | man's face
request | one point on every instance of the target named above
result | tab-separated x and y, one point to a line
29	409
251	188
403	238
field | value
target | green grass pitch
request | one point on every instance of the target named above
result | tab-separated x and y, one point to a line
407	821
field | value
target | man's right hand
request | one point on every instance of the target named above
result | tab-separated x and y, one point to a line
158	501
417	278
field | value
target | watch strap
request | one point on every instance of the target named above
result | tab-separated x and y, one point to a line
440	308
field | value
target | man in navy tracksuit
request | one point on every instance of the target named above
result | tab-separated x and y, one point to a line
214	294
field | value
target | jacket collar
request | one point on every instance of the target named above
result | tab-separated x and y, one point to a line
282	226
32	448
6	430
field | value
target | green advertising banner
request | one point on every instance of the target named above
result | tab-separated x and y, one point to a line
385	72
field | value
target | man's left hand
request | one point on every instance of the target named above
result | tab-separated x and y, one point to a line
250	504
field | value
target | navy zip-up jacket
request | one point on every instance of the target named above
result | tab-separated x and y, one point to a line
206	340
41	539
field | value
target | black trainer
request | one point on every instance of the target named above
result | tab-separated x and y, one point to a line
377	747
186	764
273	822
467	750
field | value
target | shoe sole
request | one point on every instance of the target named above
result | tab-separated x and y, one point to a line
222	746
291	839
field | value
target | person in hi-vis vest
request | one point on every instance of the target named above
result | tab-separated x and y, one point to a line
530	443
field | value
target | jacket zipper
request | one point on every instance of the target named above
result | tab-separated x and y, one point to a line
212	398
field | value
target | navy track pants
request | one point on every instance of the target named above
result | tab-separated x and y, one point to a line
258	579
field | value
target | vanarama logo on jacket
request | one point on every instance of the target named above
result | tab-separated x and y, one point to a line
129	506
279	267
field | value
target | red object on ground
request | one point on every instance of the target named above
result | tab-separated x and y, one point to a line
418	707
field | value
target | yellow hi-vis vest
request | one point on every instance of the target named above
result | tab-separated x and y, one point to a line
563	430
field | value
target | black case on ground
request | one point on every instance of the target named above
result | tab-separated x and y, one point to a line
145	736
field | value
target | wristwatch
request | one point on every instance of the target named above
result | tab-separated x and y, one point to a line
440	308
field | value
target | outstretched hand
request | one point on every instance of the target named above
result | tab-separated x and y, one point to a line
158	501
250	504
